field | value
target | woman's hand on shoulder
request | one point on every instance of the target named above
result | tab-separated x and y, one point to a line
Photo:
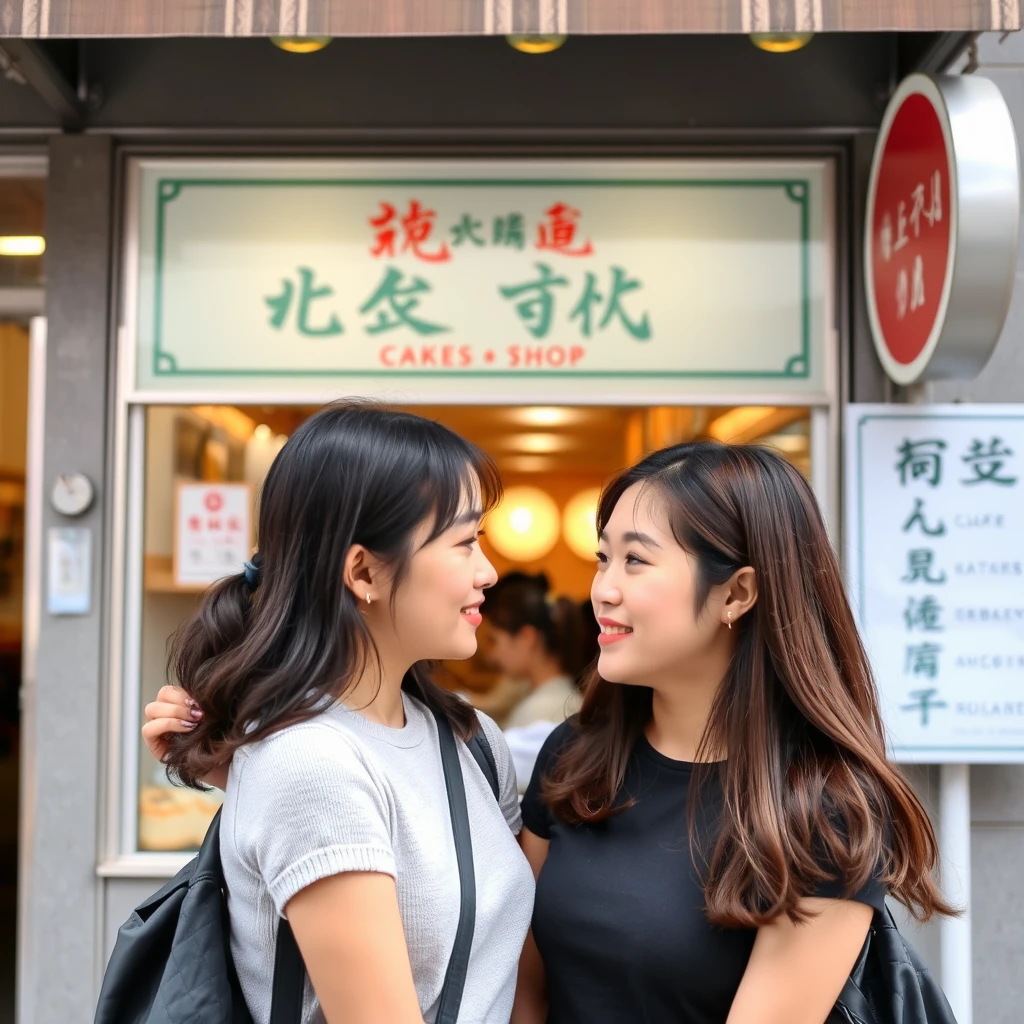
796	971
174	711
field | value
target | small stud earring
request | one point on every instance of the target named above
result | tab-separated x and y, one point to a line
730	620
367	597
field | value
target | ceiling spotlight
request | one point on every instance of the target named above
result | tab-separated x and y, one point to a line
22	245
536	44
300	44
781	42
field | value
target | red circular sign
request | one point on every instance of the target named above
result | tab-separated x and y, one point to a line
910	219
214	501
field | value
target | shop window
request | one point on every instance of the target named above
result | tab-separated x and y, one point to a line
222	453
200	463
21	231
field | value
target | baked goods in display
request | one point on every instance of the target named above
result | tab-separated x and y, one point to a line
172	818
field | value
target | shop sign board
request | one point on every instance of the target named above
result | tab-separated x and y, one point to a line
941	228
212	532
314	276
935	558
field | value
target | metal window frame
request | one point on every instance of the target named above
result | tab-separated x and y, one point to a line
22	303
119	856
26	305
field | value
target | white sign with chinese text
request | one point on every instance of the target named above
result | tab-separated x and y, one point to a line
69	580
935	556
317	276
212	532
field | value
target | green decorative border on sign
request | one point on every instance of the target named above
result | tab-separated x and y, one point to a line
798	367
906	748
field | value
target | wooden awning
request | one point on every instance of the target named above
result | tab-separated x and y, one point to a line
127	18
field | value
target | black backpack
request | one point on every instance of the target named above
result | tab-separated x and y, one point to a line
172	963
890	984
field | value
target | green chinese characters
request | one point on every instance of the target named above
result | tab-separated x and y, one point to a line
920	462
393	304
535	302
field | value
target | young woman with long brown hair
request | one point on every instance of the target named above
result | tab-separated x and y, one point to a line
713	832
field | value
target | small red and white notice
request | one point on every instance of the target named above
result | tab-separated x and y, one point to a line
212	532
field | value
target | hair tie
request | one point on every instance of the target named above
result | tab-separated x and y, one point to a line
252	571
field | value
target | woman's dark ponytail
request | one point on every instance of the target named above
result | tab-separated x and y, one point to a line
200	643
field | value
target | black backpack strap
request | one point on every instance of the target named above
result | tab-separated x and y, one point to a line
289	971
480	748
289	978
458	964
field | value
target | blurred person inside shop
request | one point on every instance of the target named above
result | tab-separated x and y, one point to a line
542	639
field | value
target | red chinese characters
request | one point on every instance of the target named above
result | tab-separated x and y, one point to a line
910	230
413	230
217	524
417	232
558	232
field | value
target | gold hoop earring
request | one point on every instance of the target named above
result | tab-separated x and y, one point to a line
730	620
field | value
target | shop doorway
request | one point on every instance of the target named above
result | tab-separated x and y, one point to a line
22	198
553	461
14	355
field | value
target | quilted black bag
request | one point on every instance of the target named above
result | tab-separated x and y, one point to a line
890	984
172	962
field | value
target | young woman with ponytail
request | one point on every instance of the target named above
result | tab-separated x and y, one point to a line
311	670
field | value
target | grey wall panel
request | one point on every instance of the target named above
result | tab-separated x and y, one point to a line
60	966
120	897
997	856
924	937
994	49
997	795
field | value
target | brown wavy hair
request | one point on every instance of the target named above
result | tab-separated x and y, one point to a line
808	792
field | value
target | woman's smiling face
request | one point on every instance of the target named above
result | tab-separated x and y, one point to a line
645	595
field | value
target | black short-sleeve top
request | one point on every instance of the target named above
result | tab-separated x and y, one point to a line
619	916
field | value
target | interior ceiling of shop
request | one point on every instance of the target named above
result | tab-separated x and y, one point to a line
575	440
581	440
234	86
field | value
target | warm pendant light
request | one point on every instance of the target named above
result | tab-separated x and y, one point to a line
579	524
781	42
525	526
536	44
300	44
